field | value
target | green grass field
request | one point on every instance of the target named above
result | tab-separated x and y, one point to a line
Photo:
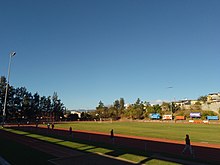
209	133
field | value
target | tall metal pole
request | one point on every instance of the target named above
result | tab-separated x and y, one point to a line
171	109
171	106
6	91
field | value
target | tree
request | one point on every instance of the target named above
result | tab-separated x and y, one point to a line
122	104
19	103
157	108
43	105
102	111
174	107
22	104
129	112
9	103
117	104
135	111
36	105
202	98
208	113
57	107
117	107
3	80
86	116
27	106
154	109
73	117
138	102
101	105
113	112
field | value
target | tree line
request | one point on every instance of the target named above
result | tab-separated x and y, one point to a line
141	110
23	105
138	110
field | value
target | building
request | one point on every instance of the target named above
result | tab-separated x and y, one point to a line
212	103
213	97
76	112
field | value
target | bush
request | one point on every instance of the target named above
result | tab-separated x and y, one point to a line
208	113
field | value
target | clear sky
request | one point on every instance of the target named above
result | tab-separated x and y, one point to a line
92	50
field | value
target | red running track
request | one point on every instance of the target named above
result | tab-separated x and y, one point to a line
204	152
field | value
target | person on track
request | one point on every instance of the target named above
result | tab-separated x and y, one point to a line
112	136
187	145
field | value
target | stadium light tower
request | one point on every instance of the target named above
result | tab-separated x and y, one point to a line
12	54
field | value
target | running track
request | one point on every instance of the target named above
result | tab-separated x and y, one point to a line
209	153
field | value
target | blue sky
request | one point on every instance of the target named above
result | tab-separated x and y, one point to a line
92	50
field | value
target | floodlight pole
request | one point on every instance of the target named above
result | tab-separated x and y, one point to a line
171	109
6	91
171	105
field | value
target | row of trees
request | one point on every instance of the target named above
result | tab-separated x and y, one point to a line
142	109
23	105
138	110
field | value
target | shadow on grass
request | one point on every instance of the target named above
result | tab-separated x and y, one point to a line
126	147
16	153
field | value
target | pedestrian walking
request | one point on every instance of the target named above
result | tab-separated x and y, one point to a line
187	145
70	130
52	125
112	136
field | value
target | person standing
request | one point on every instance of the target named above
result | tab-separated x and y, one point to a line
52	126
187	145
70	130
112	136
